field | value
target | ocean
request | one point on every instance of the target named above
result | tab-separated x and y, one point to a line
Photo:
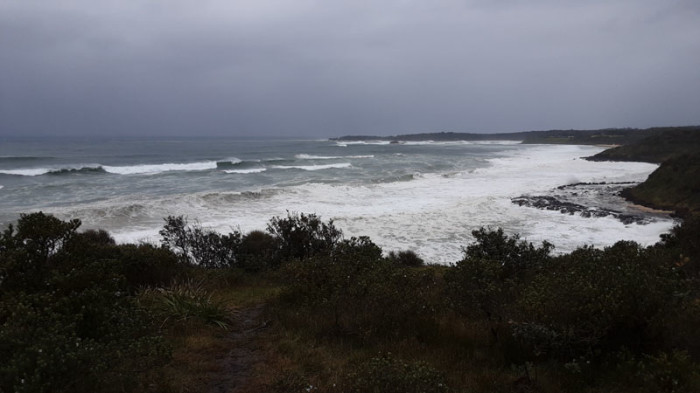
423	196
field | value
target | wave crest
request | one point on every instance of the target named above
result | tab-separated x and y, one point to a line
160	168
315	167
245	171
53	171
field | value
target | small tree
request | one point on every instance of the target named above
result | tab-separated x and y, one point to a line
257	251
492	274
301	236
27	249
198	246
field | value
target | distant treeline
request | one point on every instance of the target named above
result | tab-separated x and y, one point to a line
607	136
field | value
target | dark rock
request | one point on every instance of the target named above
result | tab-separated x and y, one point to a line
551	203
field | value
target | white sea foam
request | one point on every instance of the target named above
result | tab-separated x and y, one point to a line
234	160
26	171
160	168
433	215
314	167
313	157
246	171
346	143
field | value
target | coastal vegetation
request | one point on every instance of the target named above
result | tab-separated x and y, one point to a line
657	148
606	136
297	307
324	313
675	185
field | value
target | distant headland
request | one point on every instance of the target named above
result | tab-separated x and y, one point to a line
606	136
675	185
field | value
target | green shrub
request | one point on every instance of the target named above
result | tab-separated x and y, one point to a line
683	245
356	292
492	275
301	236
187	299
71	326
672	372
385	374
27	249
197	246
147	265
602	300
258	251
356	248
406	258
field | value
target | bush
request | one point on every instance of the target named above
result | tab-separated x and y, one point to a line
406	258
493	273
672	372
258	251
72	327
197	246
27	249
301	236
683	245
386	374
146	265
602	300
356	292
187	299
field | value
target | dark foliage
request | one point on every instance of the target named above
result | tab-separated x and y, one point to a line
145	265
593	301
301	236
67	322
358	293
675	185
27	248
494	272
387	374
665	372
406	258
197	246
665	144
257	251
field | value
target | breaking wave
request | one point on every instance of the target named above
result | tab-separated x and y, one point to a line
160	168
313	157
246	171
70	171
53	171
314	167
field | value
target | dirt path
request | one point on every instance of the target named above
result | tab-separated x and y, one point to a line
245	352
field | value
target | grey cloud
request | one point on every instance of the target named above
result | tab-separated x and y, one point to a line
329	68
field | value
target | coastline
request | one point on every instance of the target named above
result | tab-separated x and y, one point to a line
648	209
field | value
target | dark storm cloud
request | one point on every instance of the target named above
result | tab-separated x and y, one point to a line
326	68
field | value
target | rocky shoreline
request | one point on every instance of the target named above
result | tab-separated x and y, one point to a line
591	200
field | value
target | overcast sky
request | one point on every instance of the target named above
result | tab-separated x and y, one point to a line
327	68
